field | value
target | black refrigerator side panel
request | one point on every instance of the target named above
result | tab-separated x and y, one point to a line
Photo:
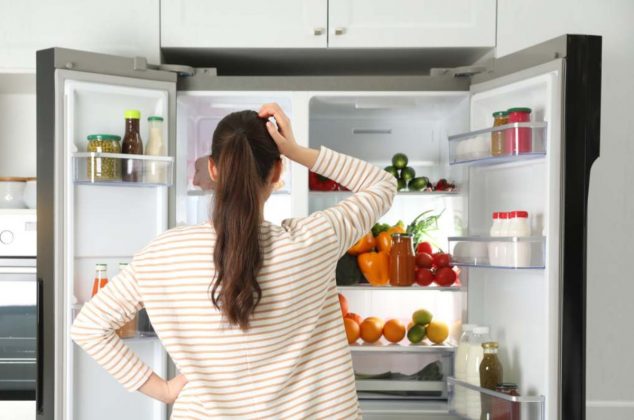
45	89
582	105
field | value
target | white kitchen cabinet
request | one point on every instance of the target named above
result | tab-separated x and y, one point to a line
244	24
411	23
122	27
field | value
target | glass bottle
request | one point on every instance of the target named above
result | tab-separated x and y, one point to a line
132	169
503	409
497	137
402	260
101	278
460	367
129	328
518	139
154	171
473	403
490	375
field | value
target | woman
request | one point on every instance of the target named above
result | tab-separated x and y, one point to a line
247	310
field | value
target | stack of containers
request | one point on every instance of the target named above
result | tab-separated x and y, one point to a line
512	224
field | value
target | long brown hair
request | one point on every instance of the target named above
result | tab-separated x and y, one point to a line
244	154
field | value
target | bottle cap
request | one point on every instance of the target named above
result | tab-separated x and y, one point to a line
520	109
512	214
154	118
521	213
500	114
481	330
103	137
490	345
503	215
401	235
496	214
101	267
133	114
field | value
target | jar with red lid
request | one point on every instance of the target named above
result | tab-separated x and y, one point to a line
518	139
504	409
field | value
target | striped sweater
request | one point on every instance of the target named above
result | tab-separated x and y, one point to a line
294	361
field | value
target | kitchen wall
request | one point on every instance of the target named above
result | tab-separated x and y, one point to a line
610	366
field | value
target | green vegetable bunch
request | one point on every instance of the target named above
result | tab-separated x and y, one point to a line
420	227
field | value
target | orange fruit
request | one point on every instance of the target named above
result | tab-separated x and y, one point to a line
355	317
437	332
343	302
352	330
371	329
394	330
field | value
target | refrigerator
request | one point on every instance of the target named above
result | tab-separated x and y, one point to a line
443	123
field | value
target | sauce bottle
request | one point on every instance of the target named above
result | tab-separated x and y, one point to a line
490	375
154	171
101	278
402	260
497	137
132	169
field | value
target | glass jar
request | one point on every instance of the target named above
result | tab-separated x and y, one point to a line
518	139
497	137
503	409
101	278
490	374
402	260
154	170
102	168
132	169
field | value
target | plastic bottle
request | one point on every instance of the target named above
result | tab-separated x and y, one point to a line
154	172
475	355
503	247
519	227
460	366
494	247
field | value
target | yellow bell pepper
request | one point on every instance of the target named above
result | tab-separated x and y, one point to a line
375	267
365	244
384	242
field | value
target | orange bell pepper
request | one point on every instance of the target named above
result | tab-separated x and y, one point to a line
396	229
375	267
365	244
384	242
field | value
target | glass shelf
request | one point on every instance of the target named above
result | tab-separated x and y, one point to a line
365	286
95	168
498	252
404	347
521	141
344	194
202	193
387	385
473	402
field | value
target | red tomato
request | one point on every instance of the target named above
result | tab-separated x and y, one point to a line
441	259
424	260
424	276
445	276
423	247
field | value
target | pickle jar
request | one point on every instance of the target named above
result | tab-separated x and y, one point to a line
103	168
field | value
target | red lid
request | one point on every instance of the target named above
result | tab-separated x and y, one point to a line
503	215
521	213
496	214
512	214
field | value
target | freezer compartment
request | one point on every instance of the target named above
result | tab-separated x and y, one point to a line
505	143
498	252
407	376
106	168
473	402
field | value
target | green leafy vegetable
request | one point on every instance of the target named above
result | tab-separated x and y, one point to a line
424	223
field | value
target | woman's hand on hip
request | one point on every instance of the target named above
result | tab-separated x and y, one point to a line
175	386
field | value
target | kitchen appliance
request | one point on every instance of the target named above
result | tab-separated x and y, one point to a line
538	311
18	305
12	192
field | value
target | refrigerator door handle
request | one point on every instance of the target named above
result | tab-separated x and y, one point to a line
39	387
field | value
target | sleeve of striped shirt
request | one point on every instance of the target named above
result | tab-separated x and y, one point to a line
95	326
374	191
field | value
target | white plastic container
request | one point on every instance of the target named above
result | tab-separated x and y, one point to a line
475	354
460	367
519	227
154	171
504	248
495	248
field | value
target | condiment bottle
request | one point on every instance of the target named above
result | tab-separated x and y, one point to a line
460	367
495	247
132	169
497	137
520	253
518	139
503	409
490	374
402	260
101	278
129	328
154	171
504	248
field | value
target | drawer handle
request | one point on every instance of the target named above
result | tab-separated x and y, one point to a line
340	31
318	31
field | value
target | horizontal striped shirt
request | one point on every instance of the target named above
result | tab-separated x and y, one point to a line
294	360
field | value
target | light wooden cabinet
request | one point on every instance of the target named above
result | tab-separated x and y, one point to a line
121	27
244	24
411	23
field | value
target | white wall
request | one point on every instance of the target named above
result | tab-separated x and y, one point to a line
610	362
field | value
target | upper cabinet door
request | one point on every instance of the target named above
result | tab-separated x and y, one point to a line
119	27
411	23
244	24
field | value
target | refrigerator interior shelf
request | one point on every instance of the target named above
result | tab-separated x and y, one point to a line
365	286
387	385
498	252
507	406
382	346
344	194
520	141
97	168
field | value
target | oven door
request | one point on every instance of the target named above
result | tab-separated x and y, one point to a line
18	323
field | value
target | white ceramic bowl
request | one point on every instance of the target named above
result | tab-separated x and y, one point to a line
30	194
12	193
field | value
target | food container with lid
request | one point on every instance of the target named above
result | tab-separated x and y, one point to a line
103	168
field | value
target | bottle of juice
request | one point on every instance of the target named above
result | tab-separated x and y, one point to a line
101	278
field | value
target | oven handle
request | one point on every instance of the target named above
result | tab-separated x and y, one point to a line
39	388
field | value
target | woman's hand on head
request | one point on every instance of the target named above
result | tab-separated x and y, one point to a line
283	133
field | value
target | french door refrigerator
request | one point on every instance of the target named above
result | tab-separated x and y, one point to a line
443	123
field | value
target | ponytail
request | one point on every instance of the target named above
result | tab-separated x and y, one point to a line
244	154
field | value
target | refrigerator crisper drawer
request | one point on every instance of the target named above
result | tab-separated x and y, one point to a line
468	401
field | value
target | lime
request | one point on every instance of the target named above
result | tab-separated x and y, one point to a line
399	161
422	317
416	334
418	184
408	173
401	184
392	170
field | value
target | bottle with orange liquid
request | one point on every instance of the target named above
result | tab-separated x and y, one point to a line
101	278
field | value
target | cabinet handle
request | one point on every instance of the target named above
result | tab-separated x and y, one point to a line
318	31
340	31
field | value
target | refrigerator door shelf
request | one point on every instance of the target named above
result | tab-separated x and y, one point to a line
492	403
498	252
402	347
435	388
413	288
518	141
105	168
